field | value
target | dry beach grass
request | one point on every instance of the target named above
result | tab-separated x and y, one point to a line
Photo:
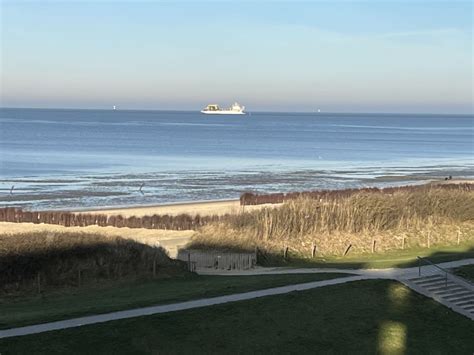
364	222
35	260
359	223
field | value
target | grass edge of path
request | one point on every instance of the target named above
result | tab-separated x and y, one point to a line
78	302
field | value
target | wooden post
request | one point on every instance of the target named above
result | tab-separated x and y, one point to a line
347	249
38	281
459	236
403	242
373	245
313	249
285	252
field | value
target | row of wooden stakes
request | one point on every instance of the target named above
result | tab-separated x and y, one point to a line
71	219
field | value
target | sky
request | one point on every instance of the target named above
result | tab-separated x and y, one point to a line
336	56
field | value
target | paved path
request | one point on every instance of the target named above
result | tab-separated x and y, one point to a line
388	273
361	274
77	322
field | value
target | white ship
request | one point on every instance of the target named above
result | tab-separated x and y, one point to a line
235	109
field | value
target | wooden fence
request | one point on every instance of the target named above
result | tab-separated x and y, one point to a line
70	219
217	260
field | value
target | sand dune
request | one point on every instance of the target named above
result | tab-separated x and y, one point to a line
168	239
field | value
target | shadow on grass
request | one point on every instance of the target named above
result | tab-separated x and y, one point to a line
395	259
400	333
371	316
396	331
35	261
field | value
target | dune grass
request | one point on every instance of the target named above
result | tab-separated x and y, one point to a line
360	224
103	298
37	261
373	316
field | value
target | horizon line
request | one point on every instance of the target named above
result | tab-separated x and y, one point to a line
255	111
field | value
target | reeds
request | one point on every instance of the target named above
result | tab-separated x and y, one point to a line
188	222
365	211
367	220
249	198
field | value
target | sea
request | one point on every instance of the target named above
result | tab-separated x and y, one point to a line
83	159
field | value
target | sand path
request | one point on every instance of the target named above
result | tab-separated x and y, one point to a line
170	240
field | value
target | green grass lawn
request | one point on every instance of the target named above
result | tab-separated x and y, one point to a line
396	258
366	317
466	272
74	302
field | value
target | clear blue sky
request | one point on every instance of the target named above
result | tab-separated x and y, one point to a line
372	56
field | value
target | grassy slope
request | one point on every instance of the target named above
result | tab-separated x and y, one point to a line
396	258
466	272
66	258
418	218
74	302
364	317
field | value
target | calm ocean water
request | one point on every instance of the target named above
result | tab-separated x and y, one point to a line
84	158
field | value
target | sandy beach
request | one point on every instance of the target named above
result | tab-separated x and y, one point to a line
453	182
171	240
205	208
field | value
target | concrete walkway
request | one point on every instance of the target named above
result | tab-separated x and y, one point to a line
361	274
451	291
388	273
77	322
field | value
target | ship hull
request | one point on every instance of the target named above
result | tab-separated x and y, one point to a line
223	112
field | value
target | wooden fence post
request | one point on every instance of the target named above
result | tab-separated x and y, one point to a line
285	252
38	282
313	249
373	245
347	249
